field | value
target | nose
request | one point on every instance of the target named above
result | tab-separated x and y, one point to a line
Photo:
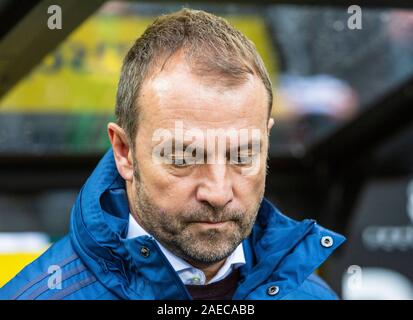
215	187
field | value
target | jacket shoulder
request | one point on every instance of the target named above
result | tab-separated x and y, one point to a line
57	274
313	288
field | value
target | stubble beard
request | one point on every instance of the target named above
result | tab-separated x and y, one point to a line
179	234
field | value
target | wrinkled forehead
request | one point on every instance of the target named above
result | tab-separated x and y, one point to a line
177	94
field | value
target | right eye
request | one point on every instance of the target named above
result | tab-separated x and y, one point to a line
177	160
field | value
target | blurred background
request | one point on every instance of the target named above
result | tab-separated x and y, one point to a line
341	148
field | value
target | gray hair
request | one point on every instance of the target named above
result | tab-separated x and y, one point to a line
214	48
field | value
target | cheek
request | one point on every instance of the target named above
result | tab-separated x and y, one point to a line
164	188
249	188
167	191
252	185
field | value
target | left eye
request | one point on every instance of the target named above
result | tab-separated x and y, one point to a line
242	159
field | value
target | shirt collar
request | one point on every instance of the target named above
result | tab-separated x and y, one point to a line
235	260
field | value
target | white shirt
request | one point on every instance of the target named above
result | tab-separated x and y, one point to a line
188	273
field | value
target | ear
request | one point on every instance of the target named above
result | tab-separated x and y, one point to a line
121	151
270	124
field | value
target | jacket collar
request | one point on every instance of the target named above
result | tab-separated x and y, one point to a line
279	250
183	268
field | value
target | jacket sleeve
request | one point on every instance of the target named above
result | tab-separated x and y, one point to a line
57	274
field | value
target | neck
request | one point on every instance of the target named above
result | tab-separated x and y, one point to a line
209	270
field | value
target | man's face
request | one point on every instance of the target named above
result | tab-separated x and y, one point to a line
200	211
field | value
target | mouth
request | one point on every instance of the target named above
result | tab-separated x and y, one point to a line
215	224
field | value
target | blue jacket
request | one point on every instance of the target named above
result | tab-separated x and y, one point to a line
96	260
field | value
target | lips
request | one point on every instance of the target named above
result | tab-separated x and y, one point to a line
211	223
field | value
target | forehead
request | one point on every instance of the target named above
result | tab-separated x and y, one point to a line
175	93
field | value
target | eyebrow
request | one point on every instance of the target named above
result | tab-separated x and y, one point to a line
249	145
